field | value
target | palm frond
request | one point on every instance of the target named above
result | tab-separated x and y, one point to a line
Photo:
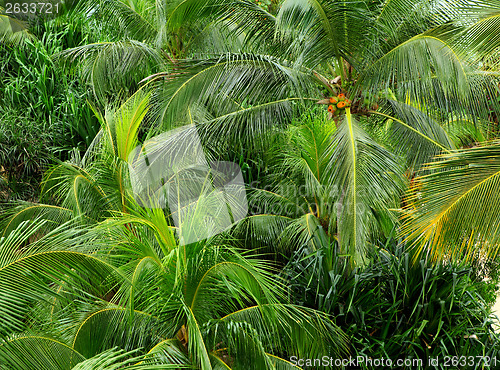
197	346
115	326
127	19
114	68
323	30
128	119
28	351
54	257
369	180
282	364
75	188
276	322
234	96
241	20
168	351
115	358
306	231
416	135
478	37
465	132
399	20
12	31
16	213
454	210
428	69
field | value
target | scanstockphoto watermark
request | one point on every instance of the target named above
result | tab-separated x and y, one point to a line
302	190
258	207
204	197
172	171
291	200
357	361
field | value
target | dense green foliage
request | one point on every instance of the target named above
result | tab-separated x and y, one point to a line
43	112
367	137
398	309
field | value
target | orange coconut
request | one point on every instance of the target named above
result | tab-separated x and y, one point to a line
332	108
341	104
333	100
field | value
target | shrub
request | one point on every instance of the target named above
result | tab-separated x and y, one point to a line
394	308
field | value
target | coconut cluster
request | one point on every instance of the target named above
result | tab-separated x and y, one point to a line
336	104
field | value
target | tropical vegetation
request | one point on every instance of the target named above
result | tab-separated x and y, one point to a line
365	134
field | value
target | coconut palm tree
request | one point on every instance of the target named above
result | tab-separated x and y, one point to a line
412	74
107	280
452	210
354	48
313	198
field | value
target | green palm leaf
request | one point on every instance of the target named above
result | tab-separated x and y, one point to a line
415	135
115	359
232	94
26	273
114	326
24	352
12	31
454	212
278	321
368	180
114	68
